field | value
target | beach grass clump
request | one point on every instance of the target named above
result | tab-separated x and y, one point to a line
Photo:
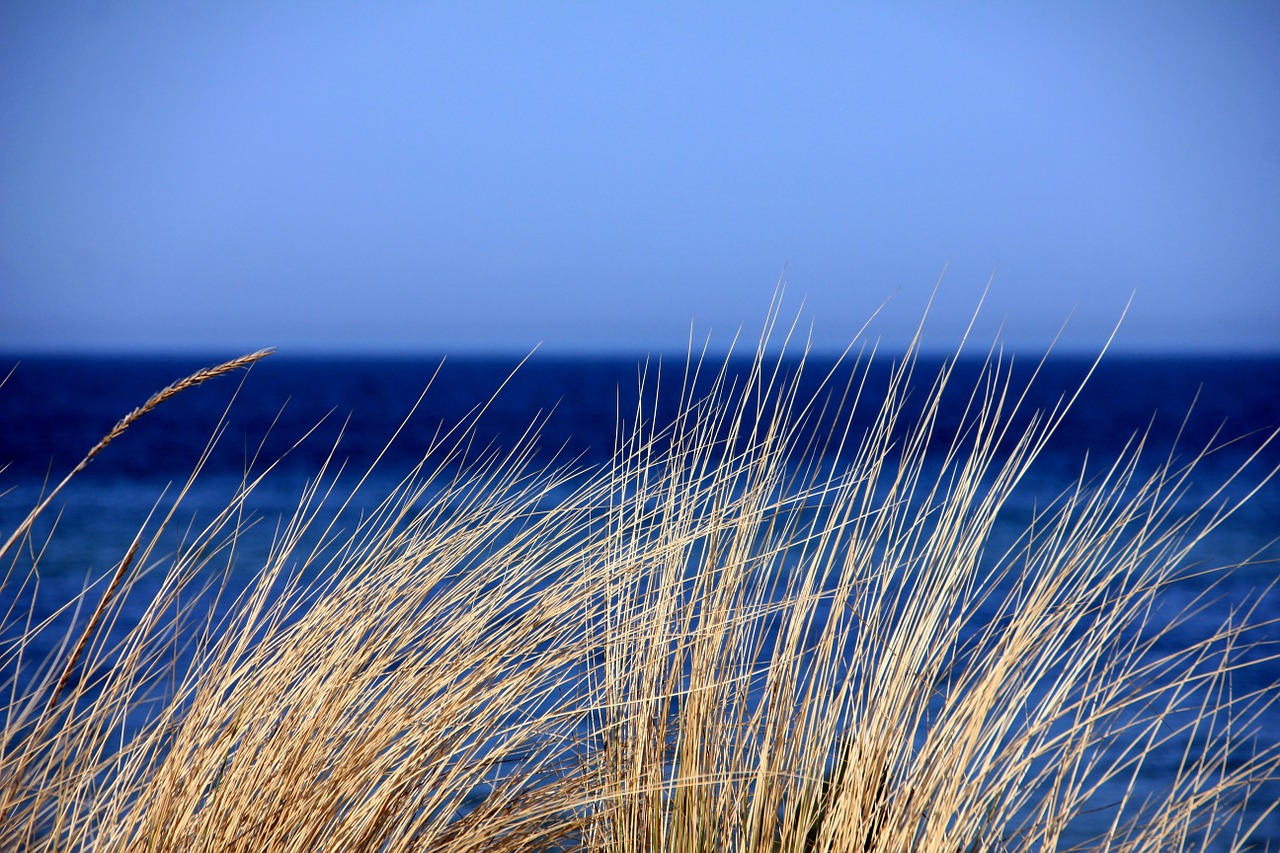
783	620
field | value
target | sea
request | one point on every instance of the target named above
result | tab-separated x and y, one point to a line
382	413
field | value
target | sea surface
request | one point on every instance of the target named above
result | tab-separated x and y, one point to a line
293	412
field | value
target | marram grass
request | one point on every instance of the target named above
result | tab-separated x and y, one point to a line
721	640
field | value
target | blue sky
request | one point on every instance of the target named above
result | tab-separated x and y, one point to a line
439	176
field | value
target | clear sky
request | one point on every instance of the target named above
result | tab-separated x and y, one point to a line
181	175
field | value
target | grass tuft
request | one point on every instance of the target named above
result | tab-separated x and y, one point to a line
780	621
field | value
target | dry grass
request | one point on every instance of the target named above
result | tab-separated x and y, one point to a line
719	642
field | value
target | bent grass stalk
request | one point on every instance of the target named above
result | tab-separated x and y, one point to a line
722	640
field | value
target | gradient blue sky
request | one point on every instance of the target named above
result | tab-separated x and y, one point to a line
186	175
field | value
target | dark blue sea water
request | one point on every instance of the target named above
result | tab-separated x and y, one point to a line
52	410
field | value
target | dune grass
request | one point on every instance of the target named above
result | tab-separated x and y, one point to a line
741	634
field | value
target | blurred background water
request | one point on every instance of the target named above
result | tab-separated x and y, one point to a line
53	409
